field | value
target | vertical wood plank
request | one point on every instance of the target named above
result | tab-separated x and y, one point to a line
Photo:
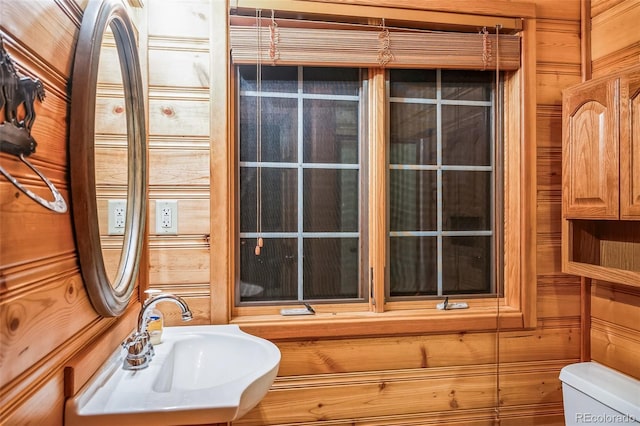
377	193
585	319
222	170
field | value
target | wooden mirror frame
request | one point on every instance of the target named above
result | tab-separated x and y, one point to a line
108	298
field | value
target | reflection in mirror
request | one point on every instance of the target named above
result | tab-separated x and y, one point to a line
110	154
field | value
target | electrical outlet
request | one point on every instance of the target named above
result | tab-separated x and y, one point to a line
117	216
167	217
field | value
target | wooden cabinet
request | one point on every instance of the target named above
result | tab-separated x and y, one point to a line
590	162
601	178
630	145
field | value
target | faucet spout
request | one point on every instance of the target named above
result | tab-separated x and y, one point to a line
142	316
138	345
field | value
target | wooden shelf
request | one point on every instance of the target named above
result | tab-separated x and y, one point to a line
603	250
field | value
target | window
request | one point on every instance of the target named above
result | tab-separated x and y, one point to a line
471	212
442	183
302	184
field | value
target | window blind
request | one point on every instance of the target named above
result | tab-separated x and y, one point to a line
288	42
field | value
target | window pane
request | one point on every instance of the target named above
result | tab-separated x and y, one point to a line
466	135
467	85
466	201
413	266
279	129
413	196
279	199
413	134
331	81
331	268
441	181
330	200
330	131
413	83
466	264
274	79
309	168
273	274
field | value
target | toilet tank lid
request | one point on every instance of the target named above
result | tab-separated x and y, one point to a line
604	384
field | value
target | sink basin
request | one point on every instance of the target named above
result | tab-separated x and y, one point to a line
199	375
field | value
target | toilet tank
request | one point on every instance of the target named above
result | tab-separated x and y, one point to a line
598	395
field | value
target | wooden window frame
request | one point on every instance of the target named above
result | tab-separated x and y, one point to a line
515	310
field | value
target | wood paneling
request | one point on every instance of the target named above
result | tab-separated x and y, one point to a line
548	254
615	311
185	263
179	118
180	112
42	405
428	351
558	42
551	81
493	7
560	10
177	19
561	299
444	17
549	169
613	29
179	167
24	239
615	346
617	60
615	308
46	29
192	65
600	6
446	391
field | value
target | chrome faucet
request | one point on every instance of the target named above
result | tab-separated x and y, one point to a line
149	303
138	345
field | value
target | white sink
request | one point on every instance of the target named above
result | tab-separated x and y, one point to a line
199	375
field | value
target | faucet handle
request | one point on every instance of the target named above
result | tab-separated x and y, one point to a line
139	351
147	346
134	344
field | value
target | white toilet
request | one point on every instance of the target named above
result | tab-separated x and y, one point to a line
598	395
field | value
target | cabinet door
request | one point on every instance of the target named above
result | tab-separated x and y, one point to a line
630	147
590	117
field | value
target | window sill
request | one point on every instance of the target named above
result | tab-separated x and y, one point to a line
401	322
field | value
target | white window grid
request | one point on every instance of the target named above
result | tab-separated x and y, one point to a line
439	168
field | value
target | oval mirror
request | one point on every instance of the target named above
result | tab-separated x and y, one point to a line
108	155
111	155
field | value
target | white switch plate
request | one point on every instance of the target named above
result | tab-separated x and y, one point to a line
167	217
117	214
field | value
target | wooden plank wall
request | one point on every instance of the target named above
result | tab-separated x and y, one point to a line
615	43
615	332
179	144
426	379
45	314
